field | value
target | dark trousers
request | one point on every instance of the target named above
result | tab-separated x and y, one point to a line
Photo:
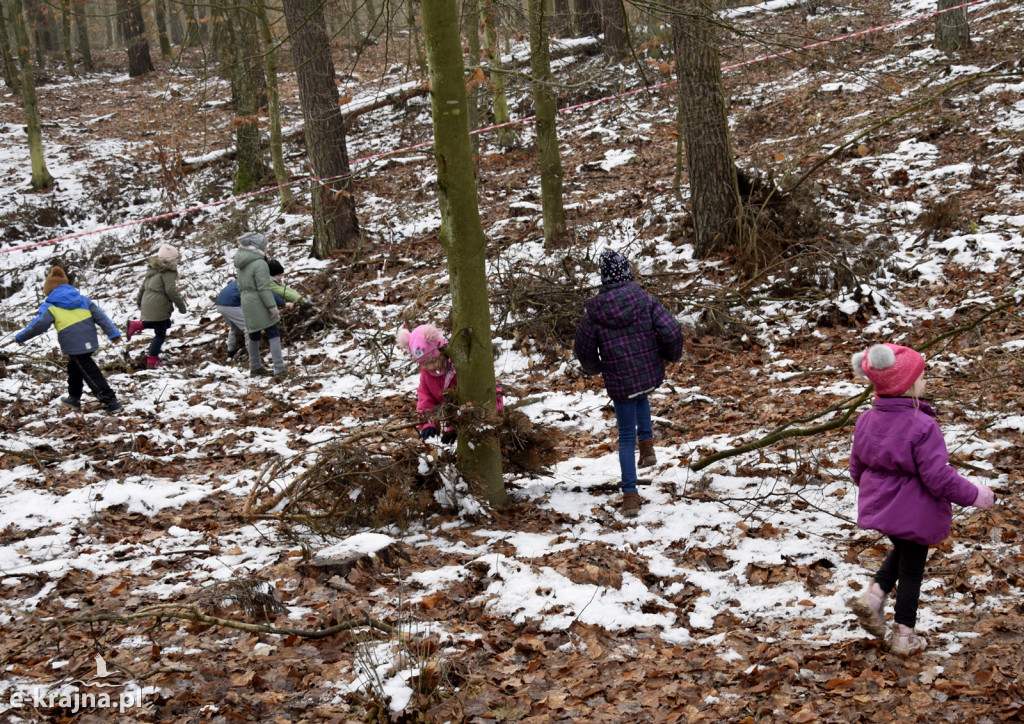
159	335
904	569
82	369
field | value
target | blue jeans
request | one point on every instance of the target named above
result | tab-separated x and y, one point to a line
159	335
634	420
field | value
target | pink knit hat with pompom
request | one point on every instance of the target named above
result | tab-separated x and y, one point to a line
422	343
891	368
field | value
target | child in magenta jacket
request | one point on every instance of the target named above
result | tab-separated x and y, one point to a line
900	465
437	376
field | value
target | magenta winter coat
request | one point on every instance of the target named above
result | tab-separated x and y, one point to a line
900	463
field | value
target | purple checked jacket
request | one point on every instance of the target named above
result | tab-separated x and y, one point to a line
626	335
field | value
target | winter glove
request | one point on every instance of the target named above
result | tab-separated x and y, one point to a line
985	497
181	309
449	436
428	432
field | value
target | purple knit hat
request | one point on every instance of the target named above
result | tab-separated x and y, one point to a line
891	368
614	267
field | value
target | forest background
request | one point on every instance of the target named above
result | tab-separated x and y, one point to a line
284	550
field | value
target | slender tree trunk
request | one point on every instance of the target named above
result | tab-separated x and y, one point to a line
415	34
492	58
545	108
714	191
462	237
10	70
82	28
176	28
133	29
335	226
41	178
238	42
193	39
952	32
274	106
472	16
561	19
616	33
160	15
65	36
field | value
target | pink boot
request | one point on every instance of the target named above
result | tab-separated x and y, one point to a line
152	361
134	327
869	610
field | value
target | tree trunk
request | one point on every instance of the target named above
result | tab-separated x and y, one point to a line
274	106
462	237
472	16
545	108
82	28
65	36
491	55
952	33
192	36
133	30
588	15
335	226
176	28
41	178
616	37
10	70
239	44
160	14
714	192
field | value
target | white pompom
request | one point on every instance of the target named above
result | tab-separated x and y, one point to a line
857	362
881	357
402	338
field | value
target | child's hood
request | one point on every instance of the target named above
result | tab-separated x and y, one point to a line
158	265
620	306
246	256
67	297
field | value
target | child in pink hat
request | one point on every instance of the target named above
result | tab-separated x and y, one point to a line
906	487
437	375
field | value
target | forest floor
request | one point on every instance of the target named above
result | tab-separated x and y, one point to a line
185	541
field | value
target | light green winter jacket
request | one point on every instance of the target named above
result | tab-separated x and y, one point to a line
159	293
258	305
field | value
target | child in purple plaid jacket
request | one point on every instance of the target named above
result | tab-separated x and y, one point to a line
626	335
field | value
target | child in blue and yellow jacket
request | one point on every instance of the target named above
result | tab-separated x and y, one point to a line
75	317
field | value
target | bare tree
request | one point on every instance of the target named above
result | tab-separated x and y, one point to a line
545	108
41	178
335	226
82	31
714	190
133	30
952	33
462	236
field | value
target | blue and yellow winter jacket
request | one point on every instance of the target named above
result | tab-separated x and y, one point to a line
75	318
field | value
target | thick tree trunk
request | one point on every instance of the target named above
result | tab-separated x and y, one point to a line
714	192
273	106
10	70
133	30
193	39
952	33
82	29
176	28
462	237
41	178
545	108
491	55
335	226
616	34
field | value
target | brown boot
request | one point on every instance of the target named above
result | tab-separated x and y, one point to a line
647	456
631	503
